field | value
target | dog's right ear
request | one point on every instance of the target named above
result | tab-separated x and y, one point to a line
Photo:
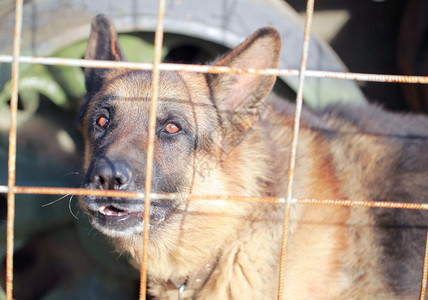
102	45
238	96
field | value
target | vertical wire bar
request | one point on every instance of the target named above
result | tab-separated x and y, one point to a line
12	150
292	163
424	272
150	146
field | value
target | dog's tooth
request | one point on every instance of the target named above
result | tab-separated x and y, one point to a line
101	210
105	211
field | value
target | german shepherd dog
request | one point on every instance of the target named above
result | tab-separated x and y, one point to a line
222	135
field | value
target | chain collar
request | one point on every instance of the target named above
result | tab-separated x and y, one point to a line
189	289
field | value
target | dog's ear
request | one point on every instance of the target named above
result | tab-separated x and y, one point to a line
102	45
238	96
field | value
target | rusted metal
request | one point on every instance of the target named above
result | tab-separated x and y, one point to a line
216	69
108	64
292	162
368	77
11	189
384	204
273	200
83	192
150	145
12	150
424	272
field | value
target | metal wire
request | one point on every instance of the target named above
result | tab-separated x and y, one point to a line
12	151
108	64
11	189
383	204
424	271
162	196
83	192
292	163
150	145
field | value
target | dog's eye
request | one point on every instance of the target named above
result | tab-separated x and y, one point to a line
103	121
171	128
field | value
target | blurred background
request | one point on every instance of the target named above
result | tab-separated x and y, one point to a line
57	253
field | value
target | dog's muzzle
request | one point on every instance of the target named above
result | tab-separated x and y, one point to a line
119	216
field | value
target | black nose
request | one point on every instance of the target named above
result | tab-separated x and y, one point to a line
109	175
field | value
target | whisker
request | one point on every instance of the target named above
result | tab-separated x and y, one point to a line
91	230
55	201
119	255
71	173
69	208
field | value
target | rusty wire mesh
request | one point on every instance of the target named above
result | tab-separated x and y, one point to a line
12	151
11	189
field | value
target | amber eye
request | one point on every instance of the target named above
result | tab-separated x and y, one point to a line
103	121
171	128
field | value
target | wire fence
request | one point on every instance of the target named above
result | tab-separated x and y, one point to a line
11	189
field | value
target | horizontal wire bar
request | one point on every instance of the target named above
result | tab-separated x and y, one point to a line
368	77
109	64
380	204
162	196
84	192
216	69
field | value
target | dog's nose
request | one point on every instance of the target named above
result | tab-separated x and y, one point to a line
112	175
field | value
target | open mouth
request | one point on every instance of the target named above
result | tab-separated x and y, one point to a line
112	213
120	218
111	218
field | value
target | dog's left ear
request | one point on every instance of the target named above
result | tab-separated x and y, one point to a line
102	45
238	96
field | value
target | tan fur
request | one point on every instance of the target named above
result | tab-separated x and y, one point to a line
241	145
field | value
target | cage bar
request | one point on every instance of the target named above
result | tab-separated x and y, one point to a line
273	200
11	189
108	64
293	151
12	150
424	272
150	145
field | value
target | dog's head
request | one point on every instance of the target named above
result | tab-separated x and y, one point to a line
201	120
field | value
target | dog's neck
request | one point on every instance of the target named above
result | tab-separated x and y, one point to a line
190	286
